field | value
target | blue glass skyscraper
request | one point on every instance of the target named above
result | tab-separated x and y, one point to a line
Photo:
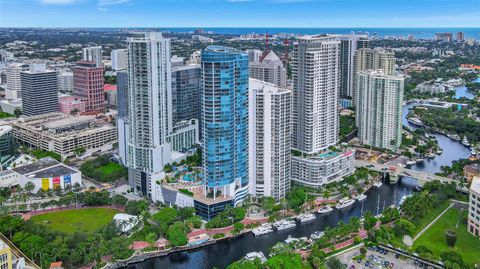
224	112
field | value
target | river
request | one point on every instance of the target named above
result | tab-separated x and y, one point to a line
225	252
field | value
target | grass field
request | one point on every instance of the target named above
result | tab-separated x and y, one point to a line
84	220
110	168
467	245
427	219
5	115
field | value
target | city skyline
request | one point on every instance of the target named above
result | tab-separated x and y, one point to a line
199	13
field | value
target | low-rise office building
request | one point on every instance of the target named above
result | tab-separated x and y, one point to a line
474	208
62	133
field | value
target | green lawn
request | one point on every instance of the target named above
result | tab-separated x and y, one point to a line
467	245
5	115
427	219
84	220
110	168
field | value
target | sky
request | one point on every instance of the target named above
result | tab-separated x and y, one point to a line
239	13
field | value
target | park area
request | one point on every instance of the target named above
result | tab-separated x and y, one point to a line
103	169
85	220
466	244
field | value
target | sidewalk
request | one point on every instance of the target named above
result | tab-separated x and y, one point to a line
433	222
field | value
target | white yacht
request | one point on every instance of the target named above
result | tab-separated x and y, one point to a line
284	224
344	203
256	255
439	151
473	152
378	184
316	235
419	160
264	229
325	210
361	197
411	162
305	217
431	155
465	141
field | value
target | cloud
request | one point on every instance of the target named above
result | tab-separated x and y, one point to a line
102	9
111	2
58	2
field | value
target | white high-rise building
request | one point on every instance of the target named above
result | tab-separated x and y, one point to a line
254	55
269	69
149	114
93	54
119	59
316	82
65	82
349	44
270	132
13	90
366	58
379	109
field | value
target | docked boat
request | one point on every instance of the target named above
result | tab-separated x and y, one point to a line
419	160
290	240
455	137
305	217
361	197
378	184
403	199
473	152
344	203
431	155
439	151
325	210
264	229
416	122
317	235
465	141
256	255
284	224
411	162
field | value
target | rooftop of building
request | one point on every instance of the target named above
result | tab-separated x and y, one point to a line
224	49
265	87
475	186
473	168
5	129
45	168
185	67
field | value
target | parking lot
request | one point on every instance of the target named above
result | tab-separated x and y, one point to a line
379	258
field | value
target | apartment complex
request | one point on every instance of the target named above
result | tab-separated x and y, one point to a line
88	86
62	133
93	54
186	92
149	110
474	208
349	43
269	69
39	90
65	82
270	131
379	109
13	90
224	120
323	168
445	37
316	82
119	59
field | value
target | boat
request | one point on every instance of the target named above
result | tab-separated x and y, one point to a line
264	229
284	224
416	122
325	210
454	137
419	160
411	162
316	235
439	151
403	199
378	184
256	255
431	155
361	197
290	240
305	217
473	152
465	141
344	203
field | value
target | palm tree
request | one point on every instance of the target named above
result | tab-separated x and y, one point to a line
326	193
